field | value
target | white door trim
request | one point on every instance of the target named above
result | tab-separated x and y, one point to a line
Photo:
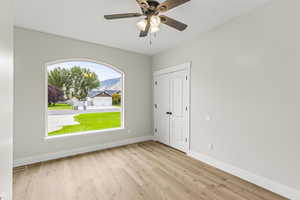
180	67
184	66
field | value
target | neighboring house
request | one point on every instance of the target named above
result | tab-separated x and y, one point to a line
102	97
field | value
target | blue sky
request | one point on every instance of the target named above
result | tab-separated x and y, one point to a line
102	71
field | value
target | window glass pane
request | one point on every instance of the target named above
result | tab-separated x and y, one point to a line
83	97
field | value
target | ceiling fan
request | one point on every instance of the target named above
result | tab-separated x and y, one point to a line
151	9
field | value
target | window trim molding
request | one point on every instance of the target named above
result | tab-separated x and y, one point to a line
103	131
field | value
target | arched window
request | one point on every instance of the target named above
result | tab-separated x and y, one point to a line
83	96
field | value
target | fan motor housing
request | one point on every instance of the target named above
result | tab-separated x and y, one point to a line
153	5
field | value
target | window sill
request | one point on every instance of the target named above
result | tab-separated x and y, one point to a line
106	131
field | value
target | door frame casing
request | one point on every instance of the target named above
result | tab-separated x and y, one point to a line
176	68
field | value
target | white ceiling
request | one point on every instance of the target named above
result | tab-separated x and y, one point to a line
83	20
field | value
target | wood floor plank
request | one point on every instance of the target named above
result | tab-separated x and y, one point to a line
143	171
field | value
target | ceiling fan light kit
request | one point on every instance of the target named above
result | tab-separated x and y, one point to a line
154	24
151	10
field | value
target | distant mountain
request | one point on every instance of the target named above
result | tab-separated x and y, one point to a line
111	84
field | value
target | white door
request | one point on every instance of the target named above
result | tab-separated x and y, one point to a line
162	106
171	109
179	109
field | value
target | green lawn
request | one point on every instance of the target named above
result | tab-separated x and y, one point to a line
91	122
60	107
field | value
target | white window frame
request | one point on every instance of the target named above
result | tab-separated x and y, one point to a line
104	131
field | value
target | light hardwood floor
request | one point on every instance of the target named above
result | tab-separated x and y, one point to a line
140	171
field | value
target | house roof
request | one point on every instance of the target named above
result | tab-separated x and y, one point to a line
93	94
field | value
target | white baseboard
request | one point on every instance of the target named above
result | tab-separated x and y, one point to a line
72	152
263	182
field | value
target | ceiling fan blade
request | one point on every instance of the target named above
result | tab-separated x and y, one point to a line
121	16
147	29
169	4
173	23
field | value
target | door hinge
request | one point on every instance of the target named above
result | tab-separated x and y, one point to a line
186	77
186	108
155	130
186	140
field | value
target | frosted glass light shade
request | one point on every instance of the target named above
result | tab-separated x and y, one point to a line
154	24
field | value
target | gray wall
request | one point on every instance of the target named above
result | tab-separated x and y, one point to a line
245	77
32	51
6	100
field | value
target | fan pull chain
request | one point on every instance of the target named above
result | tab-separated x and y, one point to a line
150	35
